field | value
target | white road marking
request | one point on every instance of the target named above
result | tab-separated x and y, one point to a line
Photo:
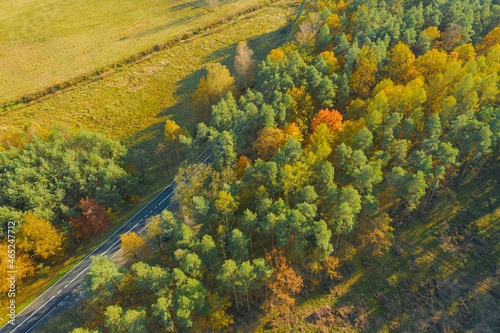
156	207
109	248
59	292
33	315
141	220
55	307
150	211
61	302
159	194
80	273
115	254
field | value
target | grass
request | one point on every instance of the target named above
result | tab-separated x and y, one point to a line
448	278
133	104
47	42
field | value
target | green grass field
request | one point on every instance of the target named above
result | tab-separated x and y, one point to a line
46	42
132	104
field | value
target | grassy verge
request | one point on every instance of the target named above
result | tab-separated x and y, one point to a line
48	42
447	279
29	291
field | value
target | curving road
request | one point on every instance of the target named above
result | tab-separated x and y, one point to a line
65	291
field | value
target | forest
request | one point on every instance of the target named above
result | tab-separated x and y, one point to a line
58	186
326	148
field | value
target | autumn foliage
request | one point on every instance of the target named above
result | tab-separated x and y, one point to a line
332	119
39	237
268	142
284	283
92	221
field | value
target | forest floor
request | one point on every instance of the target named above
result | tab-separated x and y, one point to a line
133	104
446	280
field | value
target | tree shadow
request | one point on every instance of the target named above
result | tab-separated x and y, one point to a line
261	45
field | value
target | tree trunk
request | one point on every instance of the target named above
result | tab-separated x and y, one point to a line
404	212
251	248
235	298
463	173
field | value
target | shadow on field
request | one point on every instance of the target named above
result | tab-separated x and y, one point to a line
261	45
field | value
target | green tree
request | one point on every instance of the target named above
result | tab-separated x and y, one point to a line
227	278
324	38
245	276
162	312
238	245
102	278
153	278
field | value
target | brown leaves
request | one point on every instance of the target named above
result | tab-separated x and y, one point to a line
92	221
268	142
284	283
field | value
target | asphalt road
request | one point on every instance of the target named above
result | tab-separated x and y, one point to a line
65	291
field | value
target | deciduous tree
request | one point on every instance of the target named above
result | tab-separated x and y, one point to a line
244	65
38	237
211	89
269	140
92	221
133	246
332	119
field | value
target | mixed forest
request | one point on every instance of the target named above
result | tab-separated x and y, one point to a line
326	148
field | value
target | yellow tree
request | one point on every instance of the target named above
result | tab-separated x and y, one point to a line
363	77
491	39
268	142
331	61
241	165
465	52
172	132
133	246
401	65
216	319
38	237
276	55
225	204
432	63
23	265
211	89
292	130
434	35
302	108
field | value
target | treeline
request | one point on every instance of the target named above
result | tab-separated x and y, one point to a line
343	134
57	186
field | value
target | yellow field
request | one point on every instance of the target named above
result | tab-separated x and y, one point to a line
46	42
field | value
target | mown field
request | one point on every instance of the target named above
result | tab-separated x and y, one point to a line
446	280
46	42
133	104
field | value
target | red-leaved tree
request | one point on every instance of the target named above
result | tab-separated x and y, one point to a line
332	119
92	221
